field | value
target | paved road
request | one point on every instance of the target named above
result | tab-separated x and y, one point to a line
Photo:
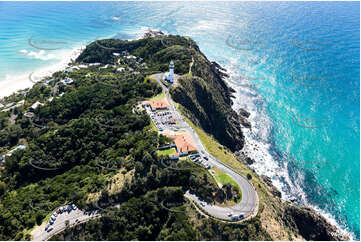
249	203
248	206
39	233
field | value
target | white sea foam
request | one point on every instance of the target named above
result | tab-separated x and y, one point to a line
258	145
116	18
13	83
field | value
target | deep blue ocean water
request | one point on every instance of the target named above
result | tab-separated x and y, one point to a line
294	65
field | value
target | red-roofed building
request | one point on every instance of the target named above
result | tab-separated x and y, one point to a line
184	143
157	105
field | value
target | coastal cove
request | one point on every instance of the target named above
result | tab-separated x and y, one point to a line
283	107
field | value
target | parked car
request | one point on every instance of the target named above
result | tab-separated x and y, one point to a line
69	208
50	228
241	216
47	226
235	217
203	204
58	211
61	209
55	214
51	222
205	157
73	207
229	214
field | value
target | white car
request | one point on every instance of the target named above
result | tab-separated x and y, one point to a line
50	228
229	214
55	214
74	207
203	204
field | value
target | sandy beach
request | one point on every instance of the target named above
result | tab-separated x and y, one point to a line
20	82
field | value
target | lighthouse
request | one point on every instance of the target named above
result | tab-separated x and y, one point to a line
171	72
169	76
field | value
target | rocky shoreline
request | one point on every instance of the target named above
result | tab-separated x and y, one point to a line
309	223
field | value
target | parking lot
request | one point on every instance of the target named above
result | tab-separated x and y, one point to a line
200	160
69	216
164	119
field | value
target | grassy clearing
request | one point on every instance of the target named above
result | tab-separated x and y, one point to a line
158	97
151	78
166	152
223	178
151	127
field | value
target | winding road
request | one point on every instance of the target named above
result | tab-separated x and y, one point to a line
249	203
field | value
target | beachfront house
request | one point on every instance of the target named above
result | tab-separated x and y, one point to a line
67	81
36	104
19	147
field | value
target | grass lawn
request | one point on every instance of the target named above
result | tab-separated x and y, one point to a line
151	127
166	152
223	178
158	97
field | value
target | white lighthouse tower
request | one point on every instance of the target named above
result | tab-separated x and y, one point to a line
169	76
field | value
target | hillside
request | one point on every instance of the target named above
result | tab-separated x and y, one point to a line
87	145
209	106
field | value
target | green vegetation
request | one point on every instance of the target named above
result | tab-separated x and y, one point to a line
224	179
167	152
158	97
92	142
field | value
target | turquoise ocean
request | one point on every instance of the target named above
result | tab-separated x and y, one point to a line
294	65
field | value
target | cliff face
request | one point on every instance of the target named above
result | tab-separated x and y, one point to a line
208	109
311	225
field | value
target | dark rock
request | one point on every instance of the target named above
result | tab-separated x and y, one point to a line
232	90
311	225
244	113
249	161
271	187
245	123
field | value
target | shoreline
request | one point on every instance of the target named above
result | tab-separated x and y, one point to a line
259	149
20	82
